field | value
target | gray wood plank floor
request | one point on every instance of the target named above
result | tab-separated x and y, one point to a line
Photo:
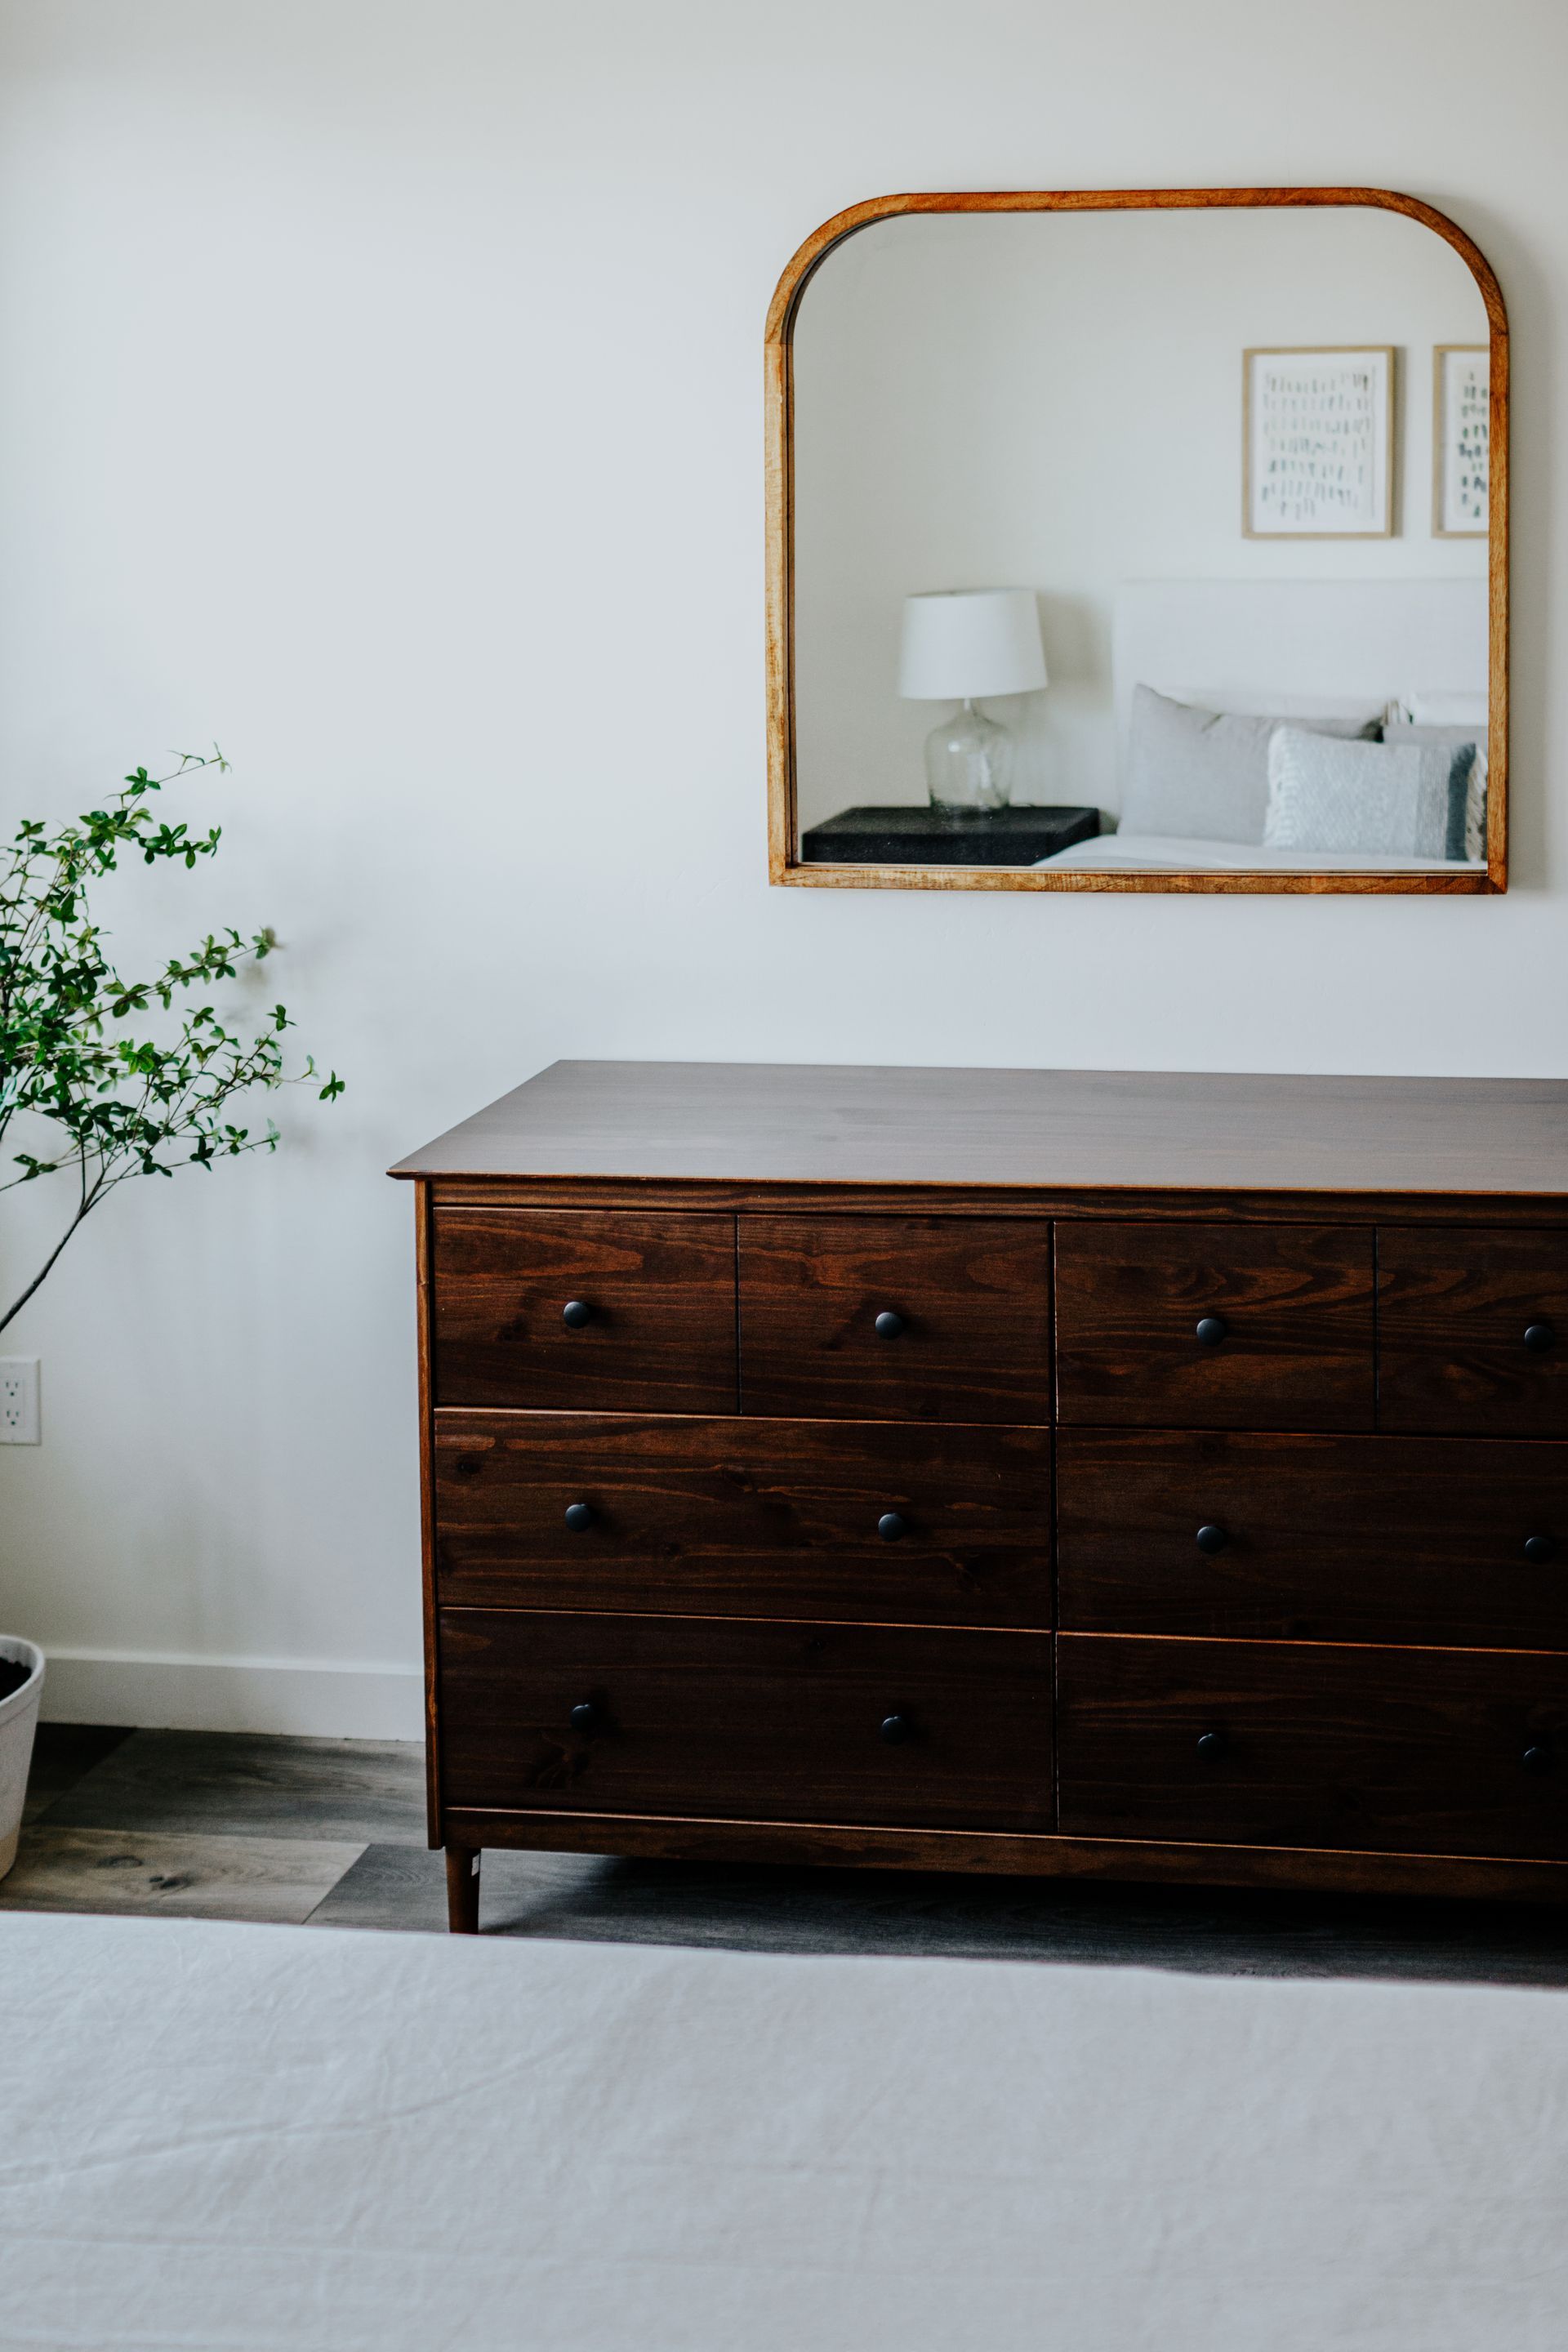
331	1832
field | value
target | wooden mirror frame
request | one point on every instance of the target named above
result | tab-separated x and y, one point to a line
784	863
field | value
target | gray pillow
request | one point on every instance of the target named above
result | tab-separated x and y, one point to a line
1371	800
1205	773
1466	836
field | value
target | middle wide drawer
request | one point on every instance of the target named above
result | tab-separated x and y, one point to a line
1459	1543
851	1521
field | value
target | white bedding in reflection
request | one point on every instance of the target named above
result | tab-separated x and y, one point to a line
1165	852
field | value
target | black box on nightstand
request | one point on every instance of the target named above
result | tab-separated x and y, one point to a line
928	836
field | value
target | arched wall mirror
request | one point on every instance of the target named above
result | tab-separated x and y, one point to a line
1149	541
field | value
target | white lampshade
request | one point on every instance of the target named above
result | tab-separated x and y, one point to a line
961	643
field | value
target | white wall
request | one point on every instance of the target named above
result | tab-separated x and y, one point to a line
1055	400
380	391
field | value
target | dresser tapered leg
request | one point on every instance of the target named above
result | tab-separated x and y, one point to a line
462	1890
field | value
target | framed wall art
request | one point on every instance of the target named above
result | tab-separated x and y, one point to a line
1461	440
1318	442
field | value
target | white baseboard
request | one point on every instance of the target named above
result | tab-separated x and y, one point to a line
171	1693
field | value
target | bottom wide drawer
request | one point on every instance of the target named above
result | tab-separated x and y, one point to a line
1263	1743
755	1720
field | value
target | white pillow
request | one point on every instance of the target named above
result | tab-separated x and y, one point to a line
1374	799
1447	710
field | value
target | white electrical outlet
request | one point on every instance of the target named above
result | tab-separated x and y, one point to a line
19	1401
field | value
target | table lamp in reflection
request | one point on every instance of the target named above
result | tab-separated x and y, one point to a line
962	645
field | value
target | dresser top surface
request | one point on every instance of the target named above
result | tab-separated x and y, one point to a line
1051	1130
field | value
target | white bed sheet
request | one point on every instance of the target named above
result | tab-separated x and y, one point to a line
1160	851
223	2137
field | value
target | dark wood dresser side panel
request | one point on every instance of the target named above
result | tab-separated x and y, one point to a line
1454	1306
1312	1537
1287	1318
970	1296
894	1522
659	1291
1392	1751
757	1720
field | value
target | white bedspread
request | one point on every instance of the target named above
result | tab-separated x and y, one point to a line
231	2136
1157	851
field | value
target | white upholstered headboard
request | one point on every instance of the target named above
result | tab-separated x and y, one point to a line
1322	639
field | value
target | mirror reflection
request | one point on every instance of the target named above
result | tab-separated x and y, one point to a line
1142	542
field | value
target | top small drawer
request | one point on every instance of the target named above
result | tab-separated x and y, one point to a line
895	1318
1473	1331
1215	1326
651	1326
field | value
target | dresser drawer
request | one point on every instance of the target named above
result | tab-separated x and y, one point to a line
879	1521
1455	1308
1361	1749
745	1720
928	1318
1215	1326
652	1327
1310	1538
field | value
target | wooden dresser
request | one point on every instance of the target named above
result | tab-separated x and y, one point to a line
1140	1477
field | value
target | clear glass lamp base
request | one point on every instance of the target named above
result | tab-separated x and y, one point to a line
969	763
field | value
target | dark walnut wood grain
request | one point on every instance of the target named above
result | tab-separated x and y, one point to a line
689	1837
660	1291
1454	1306
972	1294
1391	1539
462	1888
1295	1303
1414	1750
744	1517
758	1719
1372	1640
1030	1139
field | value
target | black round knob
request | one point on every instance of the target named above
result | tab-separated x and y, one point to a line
896	1729
584	1716
889	1325
1212	1330
576	1313
1211	1539
890	1526
1537	1760
1540	1548
1539	1337
580	1516
1210	1745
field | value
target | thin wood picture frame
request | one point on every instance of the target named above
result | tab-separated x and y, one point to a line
1441	353
786	867
1381	433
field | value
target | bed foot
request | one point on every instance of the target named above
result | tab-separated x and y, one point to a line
462	1890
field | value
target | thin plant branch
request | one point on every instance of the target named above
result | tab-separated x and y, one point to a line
122	1102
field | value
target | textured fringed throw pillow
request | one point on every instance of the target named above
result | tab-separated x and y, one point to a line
1371	800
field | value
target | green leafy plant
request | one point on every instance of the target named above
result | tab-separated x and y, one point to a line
122	1099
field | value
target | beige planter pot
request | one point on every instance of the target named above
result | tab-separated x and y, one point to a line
18	1721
